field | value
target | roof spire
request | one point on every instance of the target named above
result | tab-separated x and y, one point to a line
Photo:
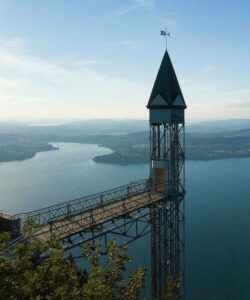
166	92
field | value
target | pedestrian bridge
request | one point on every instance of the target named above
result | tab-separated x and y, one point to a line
86	213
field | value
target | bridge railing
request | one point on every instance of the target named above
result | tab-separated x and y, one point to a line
67	209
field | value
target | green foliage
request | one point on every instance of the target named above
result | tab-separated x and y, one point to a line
106	281
39	270
29	226
172	291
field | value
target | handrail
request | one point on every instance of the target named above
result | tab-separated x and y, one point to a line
66	210
60	211
73	207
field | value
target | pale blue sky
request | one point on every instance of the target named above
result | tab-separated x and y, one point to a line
84	59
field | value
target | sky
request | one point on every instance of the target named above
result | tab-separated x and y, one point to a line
84	59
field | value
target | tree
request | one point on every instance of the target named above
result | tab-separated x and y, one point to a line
172	291
108	282
37	269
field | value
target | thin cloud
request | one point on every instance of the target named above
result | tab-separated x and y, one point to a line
132	45
86	63
136	4
58	89
194	86
234	93
239	104
16	42
19	43
6	83
210	68
28	65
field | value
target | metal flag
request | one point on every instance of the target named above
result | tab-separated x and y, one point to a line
166	34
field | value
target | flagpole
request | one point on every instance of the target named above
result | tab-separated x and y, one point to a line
166	38
166	34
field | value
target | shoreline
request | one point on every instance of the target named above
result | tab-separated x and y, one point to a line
117	158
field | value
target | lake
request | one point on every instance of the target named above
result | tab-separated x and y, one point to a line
217	209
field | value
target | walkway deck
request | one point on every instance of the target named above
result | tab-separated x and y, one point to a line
96	216
78	215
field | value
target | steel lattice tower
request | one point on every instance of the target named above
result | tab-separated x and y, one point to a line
167	156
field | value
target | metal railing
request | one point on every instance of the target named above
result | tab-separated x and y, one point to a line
90	207
73	207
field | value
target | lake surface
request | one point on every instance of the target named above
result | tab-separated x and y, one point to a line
217	209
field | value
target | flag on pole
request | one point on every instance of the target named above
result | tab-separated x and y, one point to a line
166	34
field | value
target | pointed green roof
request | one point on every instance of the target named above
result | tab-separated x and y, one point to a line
166	92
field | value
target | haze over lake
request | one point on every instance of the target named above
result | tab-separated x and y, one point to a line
217	209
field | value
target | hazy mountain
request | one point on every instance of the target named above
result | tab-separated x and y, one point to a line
219	126
127	138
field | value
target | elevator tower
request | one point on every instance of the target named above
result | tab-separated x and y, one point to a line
167	157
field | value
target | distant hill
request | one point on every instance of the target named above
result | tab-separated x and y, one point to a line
219	126
127	138
134	148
